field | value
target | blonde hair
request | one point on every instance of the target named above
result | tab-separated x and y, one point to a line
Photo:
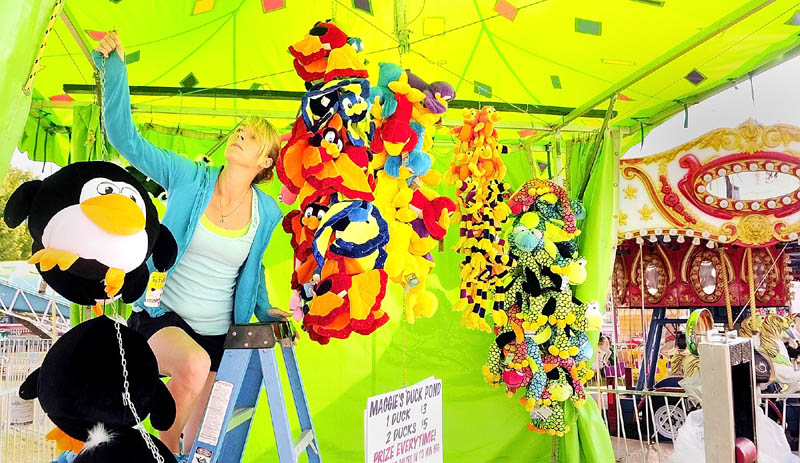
269	139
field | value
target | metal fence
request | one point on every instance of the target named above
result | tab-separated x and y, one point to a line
643	424
23	424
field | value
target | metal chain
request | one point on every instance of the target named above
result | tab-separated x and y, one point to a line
126	400
101	101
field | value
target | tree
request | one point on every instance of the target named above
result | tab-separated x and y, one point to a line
15	243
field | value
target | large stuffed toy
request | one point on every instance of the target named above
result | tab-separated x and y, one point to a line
337	234
418	217
93	229
80	388
541	344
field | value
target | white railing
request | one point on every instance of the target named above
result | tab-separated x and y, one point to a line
643	424
22	442
50	321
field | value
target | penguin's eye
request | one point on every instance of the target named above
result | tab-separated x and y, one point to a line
107	188
308	213
330	136
130	193
320	214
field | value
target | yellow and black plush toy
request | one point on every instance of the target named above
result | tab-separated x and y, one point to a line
93	229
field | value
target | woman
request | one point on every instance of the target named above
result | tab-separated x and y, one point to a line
222	224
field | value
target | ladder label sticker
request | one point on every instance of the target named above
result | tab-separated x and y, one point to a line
215	413
202	456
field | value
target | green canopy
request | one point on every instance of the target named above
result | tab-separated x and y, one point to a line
544	63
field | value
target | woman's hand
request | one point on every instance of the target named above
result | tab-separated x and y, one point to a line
279	313
110	43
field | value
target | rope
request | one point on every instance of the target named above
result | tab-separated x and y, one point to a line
725	286
403	364
26	89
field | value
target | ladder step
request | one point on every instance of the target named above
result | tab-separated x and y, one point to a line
240	416
306	440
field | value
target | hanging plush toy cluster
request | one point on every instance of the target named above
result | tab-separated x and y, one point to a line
478	171
338	235
405	109
541	344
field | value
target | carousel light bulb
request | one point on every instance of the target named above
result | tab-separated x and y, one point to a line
628	235
681	239
673	232
653	239
639	240
696	241
667	238
710	245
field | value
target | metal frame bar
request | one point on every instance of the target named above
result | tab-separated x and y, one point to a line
281	115
285	95
77	33
681	49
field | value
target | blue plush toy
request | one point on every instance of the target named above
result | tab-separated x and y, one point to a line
389	72
417	161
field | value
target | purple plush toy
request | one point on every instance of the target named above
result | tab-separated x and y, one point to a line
433	92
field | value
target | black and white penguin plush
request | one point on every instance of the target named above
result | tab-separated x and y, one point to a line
93	229
80	388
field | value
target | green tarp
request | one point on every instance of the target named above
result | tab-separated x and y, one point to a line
23	24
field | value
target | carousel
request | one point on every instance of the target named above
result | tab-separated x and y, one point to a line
712	224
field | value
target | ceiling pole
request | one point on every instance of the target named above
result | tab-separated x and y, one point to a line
687	45
77	33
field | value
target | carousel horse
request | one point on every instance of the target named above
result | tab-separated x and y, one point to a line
771	337
751	326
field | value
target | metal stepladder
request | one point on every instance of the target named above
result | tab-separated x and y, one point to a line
248	363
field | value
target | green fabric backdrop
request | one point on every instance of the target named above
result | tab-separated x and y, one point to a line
23	24
480	423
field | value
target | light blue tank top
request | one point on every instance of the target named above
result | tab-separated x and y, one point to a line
201	288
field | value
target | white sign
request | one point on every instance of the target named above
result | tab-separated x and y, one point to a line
21	412
405	426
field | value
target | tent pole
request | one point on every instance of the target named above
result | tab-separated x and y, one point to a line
681	49
77	33
282	115
283	95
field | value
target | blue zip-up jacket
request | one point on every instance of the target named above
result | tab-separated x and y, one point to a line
189	187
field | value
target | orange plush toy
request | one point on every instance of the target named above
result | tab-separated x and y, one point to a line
338	236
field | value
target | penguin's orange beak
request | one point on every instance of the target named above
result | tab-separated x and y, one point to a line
115	214
311	222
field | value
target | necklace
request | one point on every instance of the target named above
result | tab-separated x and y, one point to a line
221	215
